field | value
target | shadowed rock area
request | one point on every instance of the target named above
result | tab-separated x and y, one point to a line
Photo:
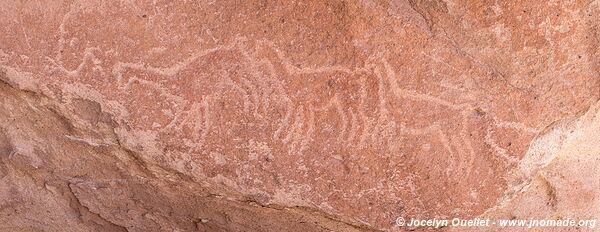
297	115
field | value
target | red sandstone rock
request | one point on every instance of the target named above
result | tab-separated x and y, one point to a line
294	115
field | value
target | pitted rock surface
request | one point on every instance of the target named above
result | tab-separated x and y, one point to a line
290	115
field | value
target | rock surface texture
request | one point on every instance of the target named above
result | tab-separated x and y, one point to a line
264	115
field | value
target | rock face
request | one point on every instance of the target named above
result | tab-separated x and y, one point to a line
296	115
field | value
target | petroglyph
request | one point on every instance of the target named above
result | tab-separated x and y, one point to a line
356	101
